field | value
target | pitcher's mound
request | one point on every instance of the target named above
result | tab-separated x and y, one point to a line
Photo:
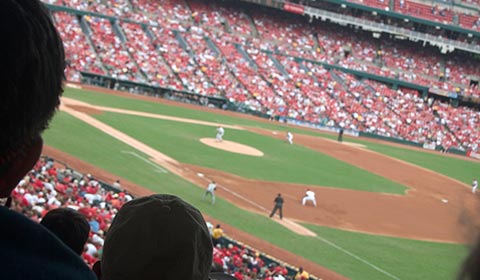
233	147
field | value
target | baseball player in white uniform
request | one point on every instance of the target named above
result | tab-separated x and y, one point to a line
220	133
210	191
309	196
474	185
290	137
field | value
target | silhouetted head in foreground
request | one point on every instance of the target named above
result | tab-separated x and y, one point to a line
31	74
157	237
69	226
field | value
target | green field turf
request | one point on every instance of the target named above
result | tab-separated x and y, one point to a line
404	259
282	162
411	259
461	170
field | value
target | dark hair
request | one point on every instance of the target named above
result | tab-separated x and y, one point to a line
470	269
31	72
69	226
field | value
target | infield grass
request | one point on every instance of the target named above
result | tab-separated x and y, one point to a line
281	162
406	259
459	169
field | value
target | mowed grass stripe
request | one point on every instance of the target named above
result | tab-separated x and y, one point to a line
404	258
281	162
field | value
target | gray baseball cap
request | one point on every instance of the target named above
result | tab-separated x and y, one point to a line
157	237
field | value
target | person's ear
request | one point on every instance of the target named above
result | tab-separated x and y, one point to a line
97	269
19	166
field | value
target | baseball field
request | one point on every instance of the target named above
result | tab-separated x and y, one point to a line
385	211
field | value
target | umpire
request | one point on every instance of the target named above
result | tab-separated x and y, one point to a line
278	206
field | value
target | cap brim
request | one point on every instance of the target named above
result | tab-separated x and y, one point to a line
220	276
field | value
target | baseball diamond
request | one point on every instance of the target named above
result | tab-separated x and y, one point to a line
411	208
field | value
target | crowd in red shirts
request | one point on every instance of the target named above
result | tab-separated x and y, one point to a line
247	264
252	59
80	56
439	12
49	187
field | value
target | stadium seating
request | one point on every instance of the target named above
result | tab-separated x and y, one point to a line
212	64
381	4
463	122
433	12
147	57
80	56
425	11
252	59
182	62
112	52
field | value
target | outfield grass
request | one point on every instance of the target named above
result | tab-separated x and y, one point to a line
459	169
403	258
462	170
281	162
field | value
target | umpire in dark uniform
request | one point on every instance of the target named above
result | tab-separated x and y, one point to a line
340	134
278	206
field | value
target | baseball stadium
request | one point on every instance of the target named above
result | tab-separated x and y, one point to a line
362	115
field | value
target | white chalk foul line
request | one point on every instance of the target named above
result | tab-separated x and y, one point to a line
319	237
244	198
357	257
158	169
345	251
236	194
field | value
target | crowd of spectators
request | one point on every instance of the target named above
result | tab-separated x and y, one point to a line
294	36
216	50
212	64
147	56
51	185
80	56
464	123
244	263
438	12
112	52
182	62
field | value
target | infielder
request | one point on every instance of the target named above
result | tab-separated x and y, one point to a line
220	133
290	137
210	191
474	185
309	196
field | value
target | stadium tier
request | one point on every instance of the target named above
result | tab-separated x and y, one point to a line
272	62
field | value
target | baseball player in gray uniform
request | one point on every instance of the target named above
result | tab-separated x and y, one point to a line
210	191
220	133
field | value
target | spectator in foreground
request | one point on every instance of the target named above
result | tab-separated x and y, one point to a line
157	237
69	226
31	75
